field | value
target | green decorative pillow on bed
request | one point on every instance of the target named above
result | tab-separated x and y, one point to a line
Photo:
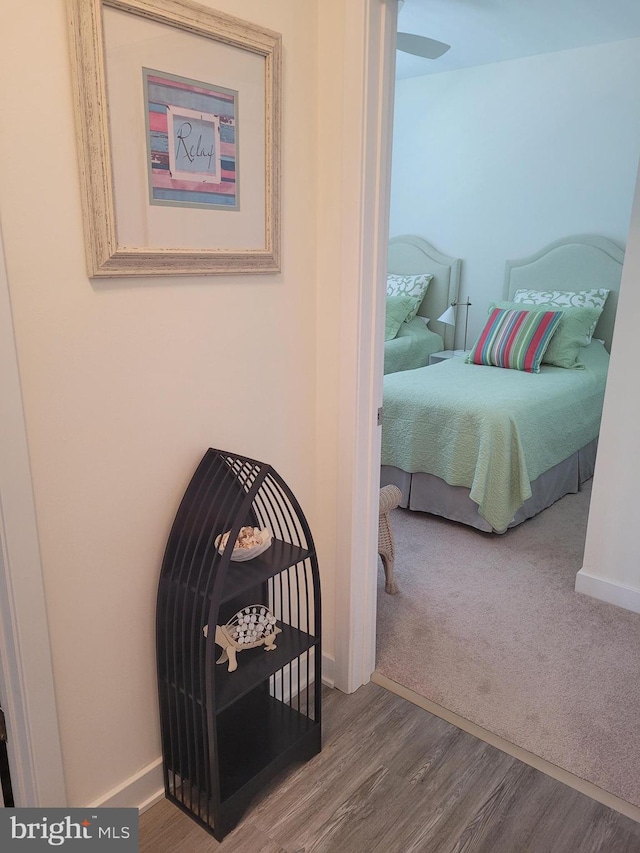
515	339
595	298
398	310
572	334
409	285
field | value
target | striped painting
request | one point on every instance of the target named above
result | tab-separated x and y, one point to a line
515	339
192	142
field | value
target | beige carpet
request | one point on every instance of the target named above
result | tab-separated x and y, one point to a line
490	627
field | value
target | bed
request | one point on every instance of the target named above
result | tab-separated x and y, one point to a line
415	341
491	447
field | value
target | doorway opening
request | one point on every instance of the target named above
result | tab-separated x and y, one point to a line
486	203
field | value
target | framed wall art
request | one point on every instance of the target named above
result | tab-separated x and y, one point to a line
178	121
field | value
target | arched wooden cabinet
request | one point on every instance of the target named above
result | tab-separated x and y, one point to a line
226	734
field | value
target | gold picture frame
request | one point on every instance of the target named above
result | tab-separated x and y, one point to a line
140	219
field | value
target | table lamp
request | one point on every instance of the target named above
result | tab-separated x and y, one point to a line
449	319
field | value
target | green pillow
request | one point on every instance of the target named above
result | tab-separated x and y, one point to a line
570	336
398	309
409	285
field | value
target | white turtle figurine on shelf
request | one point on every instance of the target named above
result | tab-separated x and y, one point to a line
250	627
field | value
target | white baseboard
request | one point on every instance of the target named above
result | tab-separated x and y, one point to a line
292	678
142	790
613	593
328	670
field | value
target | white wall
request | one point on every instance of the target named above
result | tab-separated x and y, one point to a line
494	162
611	564
126	383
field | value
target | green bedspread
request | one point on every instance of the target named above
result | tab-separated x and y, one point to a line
489	429
411	347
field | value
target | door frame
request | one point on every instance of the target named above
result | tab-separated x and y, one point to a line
26	673
370	34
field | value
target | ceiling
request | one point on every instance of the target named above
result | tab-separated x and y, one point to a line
484	31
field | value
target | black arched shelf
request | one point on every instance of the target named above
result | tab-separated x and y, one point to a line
225	735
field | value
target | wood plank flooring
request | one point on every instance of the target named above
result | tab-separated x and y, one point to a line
392	777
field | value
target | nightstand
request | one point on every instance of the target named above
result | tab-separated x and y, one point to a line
444	354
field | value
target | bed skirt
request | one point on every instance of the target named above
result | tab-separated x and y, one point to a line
428	493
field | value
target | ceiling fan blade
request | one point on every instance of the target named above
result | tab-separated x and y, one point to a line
421	45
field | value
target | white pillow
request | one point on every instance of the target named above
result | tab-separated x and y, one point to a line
409	285
575	298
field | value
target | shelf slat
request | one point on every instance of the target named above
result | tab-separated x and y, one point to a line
252	734
280	556
242	576
256	665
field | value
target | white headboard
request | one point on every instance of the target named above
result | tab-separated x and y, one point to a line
583	262
411	255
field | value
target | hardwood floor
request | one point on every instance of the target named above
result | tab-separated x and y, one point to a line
392	777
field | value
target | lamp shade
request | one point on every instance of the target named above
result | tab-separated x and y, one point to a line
449	317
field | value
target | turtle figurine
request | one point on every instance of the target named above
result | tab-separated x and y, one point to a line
250	627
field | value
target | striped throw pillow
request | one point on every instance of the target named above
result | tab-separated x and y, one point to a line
515	339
